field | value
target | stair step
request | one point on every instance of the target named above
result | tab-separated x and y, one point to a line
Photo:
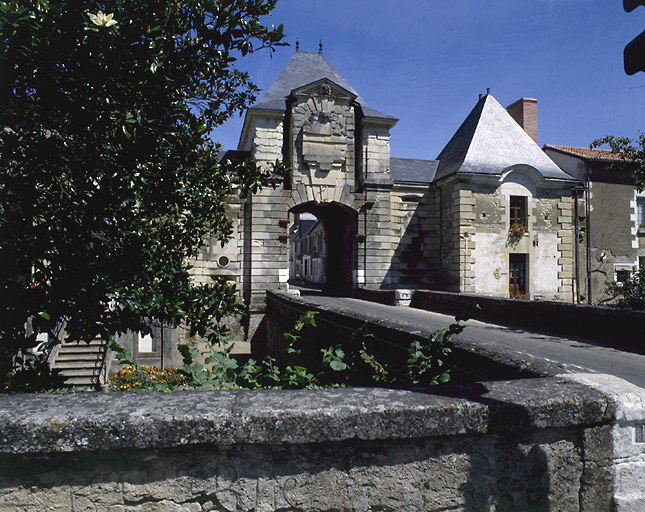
78	372
80	381
64	365
81	356
80	349
93	343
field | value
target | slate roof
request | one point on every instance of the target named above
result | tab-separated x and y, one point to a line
587	153
489	141
305	68
410	170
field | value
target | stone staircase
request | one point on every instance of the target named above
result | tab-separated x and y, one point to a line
82	364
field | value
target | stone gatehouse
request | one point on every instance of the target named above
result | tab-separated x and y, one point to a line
491	215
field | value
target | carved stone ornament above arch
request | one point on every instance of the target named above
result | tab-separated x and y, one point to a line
323	119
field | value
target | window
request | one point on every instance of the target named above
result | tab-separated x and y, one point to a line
622	273
640	211
518	212
145	343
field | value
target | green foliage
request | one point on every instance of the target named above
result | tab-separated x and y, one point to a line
630	151
122	355
352	364
110	181
33	377
425	363
631	292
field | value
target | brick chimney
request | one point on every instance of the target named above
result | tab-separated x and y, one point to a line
524	111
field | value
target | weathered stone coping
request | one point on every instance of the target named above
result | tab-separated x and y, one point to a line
103	421
483	357
621	328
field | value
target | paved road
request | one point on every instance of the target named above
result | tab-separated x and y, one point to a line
573	354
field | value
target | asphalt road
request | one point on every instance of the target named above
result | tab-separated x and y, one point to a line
573	354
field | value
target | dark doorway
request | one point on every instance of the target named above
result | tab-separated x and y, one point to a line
333	253
517	276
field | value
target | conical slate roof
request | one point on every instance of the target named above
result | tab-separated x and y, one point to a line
489	141
305	68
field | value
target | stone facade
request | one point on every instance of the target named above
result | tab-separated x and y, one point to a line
476	256
392	223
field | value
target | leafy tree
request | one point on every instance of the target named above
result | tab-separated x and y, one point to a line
631	151
110	181
630	293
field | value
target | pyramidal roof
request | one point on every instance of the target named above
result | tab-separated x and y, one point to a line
489	141
305	68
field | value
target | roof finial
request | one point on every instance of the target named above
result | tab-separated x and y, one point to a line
320	47
487	90
297	45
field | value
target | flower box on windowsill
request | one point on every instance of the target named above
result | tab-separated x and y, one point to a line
517	230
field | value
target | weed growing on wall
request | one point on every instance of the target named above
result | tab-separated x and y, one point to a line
354	363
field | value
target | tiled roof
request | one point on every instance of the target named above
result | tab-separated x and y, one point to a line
586	153
407	170
489	141
305	68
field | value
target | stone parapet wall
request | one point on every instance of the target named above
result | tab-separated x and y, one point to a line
515	446
565	443
619	327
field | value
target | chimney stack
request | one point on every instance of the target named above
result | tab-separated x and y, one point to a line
524	111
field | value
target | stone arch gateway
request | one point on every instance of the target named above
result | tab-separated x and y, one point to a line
340	224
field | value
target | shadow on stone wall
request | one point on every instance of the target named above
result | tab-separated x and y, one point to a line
414	264
462	473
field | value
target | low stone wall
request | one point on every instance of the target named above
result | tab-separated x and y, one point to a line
517	445
618	327
559	442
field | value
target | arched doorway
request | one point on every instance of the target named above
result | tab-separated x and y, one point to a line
326	252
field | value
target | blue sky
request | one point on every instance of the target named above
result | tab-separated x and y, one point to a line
426	61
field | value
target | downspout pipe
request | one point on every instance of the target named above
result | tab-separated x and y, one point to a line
439	280
588	208
576	228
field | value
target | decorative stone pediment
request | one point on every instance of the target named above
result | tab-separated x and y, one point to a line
324	113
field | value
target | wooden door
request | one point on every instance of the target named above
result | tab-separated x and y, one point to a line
517	275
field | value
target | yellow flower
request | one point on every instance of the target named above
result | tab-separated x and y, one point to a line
102	20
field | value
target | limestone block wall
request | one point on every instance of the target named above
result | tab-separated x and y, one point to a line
378	247
565	248
525	445
375	144
264	138
415	225
457	240
476	245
